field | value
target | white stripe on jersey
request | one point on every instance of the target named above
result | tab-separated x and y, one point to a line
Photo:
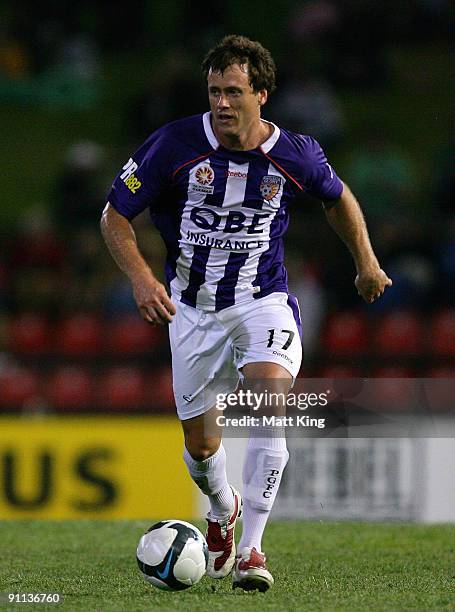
183	264
218	258
182	279
216	266
235	184
249	270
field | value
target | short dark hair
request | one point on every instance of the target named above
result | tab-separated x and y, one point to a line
235	49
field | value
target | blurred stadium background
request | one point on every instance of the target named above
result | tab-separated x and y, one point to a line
81	86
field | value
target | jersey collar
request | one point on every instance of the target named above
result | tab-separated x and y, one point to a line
265	146
272	139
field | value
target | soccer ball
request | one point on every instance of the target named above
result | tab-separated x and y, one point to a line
172	555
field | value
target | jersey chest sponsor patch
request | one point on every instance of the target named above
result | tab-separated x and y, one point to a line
202	180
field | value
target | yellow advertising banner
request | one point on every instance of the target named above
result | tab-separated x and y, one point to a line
94	467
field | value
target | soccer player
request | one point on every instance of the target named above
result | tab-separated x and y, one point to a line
219	187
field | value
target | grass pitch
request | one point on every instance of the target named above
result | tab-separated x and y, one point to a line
316	566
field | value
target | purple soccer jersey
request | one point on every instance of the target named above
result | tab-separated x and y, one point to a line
222	213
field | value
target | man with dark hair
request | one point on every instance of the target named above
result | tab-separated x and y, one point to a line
243	52
218	186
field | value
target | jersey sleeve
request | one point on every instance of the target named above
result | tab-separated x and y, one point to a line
144	177
320	178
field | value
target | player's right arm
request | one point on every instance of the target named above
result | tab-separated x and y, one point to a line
151	296
345	216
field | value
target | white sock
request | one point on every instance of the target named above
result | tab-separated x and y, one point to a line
210	477
254	522
265	460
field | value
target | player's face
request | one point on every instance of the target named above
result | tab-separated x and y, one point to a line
236	108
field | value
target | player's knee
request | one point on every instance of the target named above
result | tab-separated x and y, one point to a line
200	450
200	454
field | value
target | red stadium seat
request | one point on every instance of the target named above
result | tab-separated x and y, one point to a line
80	335
393	394
339	379
4	333
121	388
393	388
441	372
130	335
70	387
393	372
29	334
339	371
442	334
439	389
19	386
346	334
161	394
398	334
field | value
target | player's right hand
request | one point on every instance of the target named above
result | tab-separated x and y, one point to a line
371	284
153	301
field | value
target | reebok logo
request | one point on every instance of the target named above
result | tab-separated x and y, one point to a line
282	355
237	174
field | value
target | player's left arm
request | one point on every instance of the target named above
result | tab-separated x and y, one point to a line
346	218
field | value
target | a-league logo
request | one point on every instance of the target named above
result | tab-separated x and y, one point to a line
204	175
270	186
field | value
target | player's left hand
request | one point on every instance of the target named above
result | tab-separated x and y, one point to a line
371	284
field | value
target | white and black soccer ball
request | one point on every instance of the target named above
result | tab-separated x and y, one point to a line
172	555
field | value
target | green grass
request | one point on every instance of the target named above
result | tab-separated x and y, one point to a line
317	566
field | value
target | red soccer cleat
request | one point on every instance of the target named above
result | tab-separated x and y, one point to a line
220	541
250	572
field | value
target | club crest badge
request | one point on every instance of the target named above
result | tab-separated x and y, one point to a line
270	186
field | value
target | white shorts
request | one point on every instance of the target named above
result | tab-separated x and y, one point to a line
209	348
